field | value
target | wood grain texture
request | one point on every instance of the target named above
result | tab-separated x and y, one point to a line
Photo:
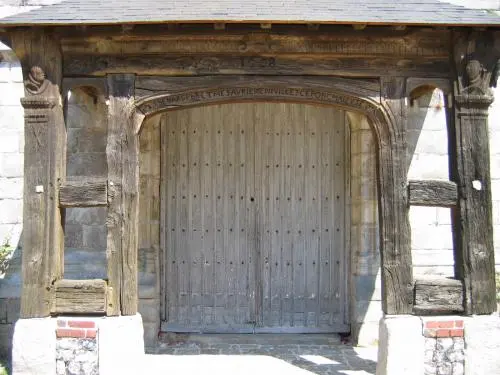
438	296
432	193
474	250
254	218
395	240
123	194
387	117
80	297
178	65
114	221
45	142
374	43
83	193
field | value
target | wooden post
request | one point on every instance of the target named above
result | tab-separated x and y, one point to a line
44	168
470	168
123	186
395	238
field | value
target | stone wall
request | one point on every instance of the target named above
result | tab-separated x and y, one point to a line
366	306
444	346
76	347
85	228
149	228
432	244
11	189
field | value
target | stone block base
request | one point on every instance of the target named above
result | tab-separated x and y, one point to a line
482	342
78	345
401	346
439	345
121	345
34	347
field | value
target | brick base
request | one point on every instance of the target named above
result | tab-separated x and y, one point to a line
76	328
443	328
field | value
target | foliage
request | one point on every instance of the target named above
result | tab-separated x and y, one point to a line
5	253
497	279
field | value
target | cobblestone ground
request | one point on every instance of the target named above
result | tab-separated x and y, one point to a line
260	355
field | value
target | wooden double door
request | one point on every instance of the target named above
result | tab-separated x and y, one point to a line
253	219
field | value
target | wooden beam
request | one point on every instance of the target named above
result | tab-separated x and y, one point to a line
395	236
77	65
123	186
219	26
427	44
266	26
83	194
438	296
473	223
80	297
44	167
432	193
475	63
359	26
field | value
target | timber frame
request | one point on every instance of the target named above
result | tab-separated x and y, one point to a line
147	69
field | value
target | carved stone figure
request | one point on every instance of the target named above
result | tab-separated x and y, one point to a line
474	71
36	83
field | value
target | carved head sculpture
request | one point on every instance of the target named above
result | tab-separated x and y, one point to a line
36	83
474	71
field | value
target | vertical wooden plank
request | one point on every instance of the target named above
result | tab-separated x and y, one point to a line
165	222
195	213
172	212
209	219
252	204
346	221
395	241
299	240
184	251
44	168
287	214
122	221
325	283
218	186
338	198
474	250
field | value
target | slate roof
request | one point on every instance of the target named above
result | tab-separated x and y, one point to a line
382	12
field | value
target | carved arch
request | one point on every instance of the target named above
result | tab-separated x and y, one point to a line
353	95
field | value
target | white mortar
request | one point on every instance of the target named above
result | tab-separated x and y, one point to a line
34	347
401	346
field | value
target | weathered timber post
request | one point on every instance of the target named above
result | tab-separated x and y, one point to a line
396	268
44	168
123	197
470	168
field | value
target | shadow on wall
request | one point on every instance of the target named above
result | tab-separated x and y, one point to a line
427	158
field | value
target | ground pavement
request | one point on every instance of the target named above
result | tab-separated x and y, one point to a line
318	354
